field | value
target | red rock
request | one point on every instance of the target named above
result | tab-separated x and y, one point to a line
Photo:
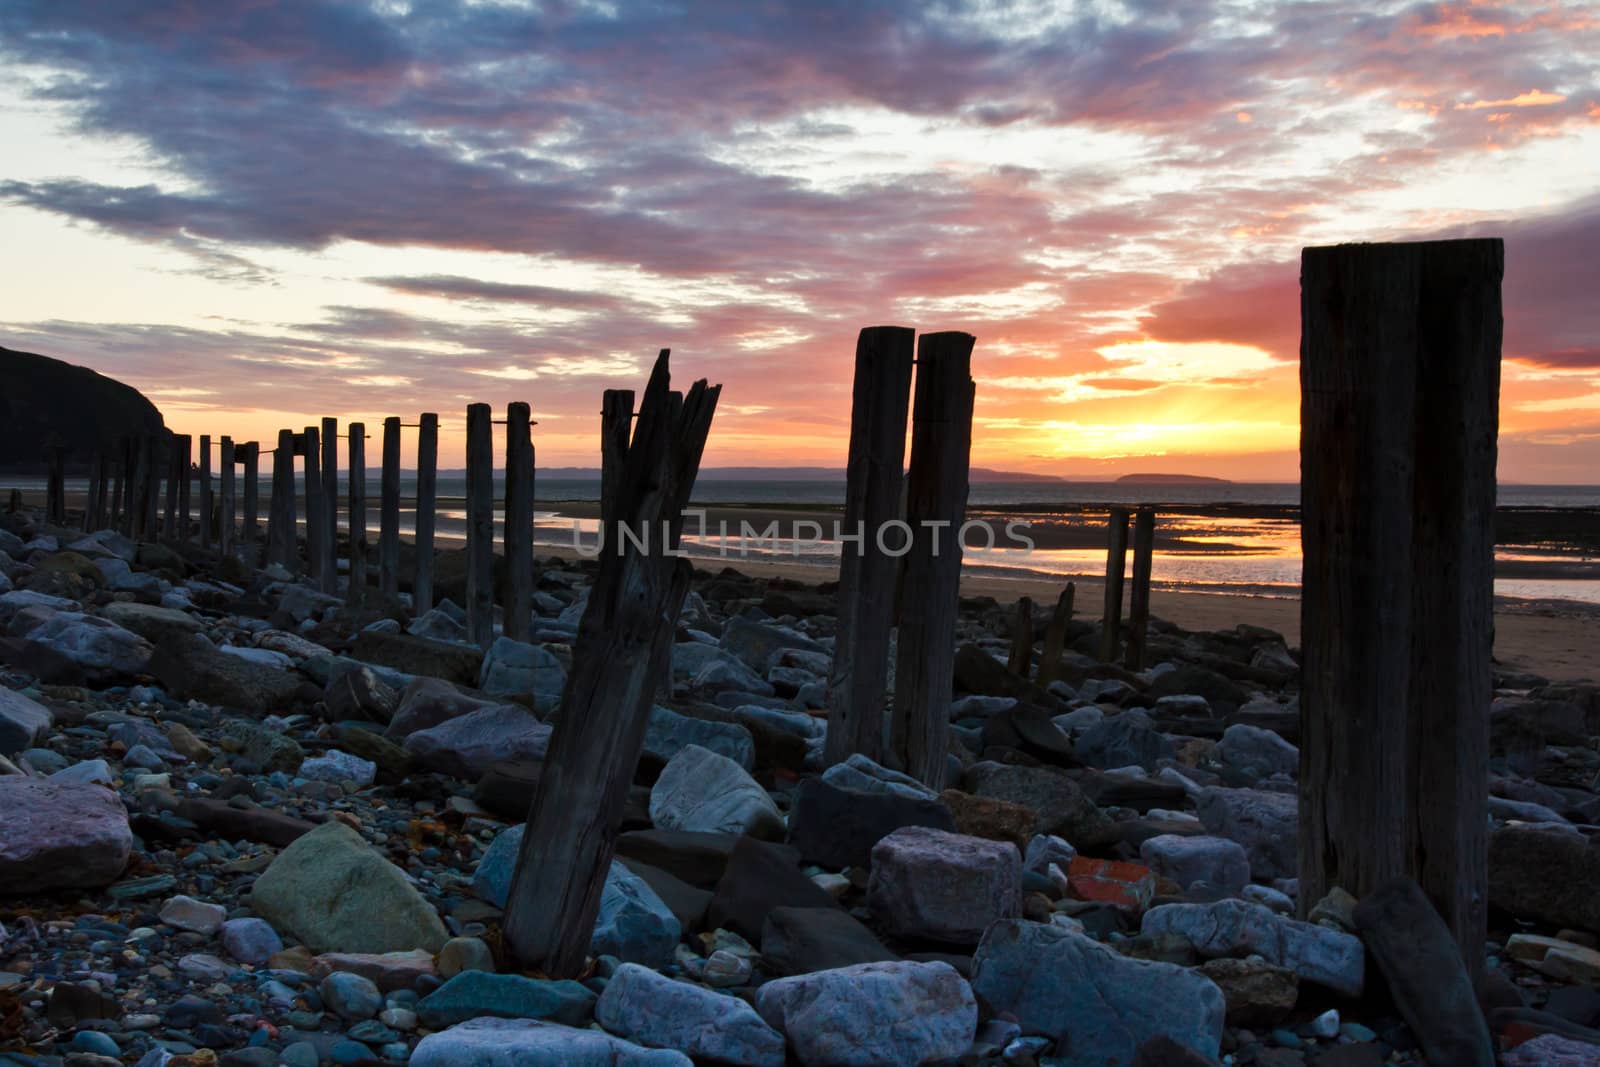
1127	885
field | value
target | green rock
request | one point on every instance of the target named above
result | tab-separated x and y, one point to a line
268	749
473	994
335	894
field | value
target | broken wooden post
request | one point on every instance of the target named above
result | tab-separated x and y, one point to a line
329	488
868	571
518	535
389	512
1116	565
184	469
1022	638
282	511
169	516
206	516
122	495
619	658
226	462
1055	636
250	454
356	504
1144	546
427	490
480	526
315	530
1399	374
92	502
55	495
936	506
149	489
616	424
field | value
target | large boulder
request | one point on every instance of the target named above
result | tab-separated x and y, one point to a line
760	877
476	994
336	894
1124	740
700	790
531	1043
1545	873
653	1010
1254	753
23	722
1266	824
151	621
670	733
1316	953
837	828
468	746
427	702
1063	808
1189	860
56	835
891	1014
515	670
192	668
943	886
802	940
102	648
1098	1006
420	655
759	645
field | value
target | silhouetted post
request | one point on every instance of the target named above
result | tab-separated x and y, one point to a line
1399	376
616	424
169	517
357	505
149	489
330	505
389	512
315	529
1055	636
480	526
1022	638
518	536
936	493
1144	547
619	658
880	399
184	469
123	492
427	501
55	496
1116	565
206	516
92	503
226	463
282	537
250	452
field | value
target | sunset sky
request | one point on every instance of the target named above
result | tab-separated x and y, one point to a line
260	214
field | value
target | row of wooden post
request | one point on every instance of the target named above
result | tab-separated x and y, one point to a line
1144	539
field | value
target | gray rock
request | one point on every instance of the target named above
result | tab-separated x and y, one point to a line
929	883
516	670
149	621
669	733
190	667
85	772
1266	824
427	702
55	835
23	722
351	996
195	916
727	674
95	644
1316	953
1059	802
759	645
794	722
700	790
653	1010
251	940
467	746
1257	753
531	1043
866	776
891	1014
1123	741
302	602
475	994
335	766
1219	863
271	750
1097	1005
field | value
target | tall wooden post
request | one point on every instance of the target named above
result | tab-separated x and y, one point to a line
149	487
169	517
55	496
356	503
251	528
616	425
1144	547
315	529
480	525
121	511
1399	374
1021	658
518	536
226	462
881	397
936	506
92	502
427	495
282	518
184	470
1116	565
389	512
206	516
1055	636
621	653
330	505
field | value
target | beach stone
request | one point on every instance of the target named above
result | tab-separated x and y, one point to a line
1098	1006
889	1014
271	750
727	675
95	644
1257	753
1315	953
85	772
464	954
1063	808
802	940
1183	679
702	791
492	878
414	655
759	877
532	1043
1127	886
301	602
261	657
517	670
634	924
697	859
467	746
760	645
653	1010
669	733
1545	873
475	994
1123	741
360	694
389	971
1552	1050
351	996
427	702
23	722
251	940
1266	824
390	759
1218	862
929	883
687	904
151	621
837	828
336	767
192	668
336	894
55	835
990	817
1258	994
862	775
196	916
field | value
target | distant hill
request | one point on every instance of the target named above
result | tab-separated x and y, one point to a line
1171	479
85	410
784	474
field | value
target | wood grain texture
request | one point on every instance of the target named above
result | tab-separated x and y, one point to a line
1144	546
356	498
389	512
1116	566
480	526
519	523
427	510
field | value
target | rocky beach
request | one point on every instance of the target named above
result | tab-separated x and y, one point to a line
243	822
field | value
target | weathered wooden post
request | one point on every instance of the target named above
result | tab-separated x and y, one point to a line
1116	565
624	641
55	495
92	503
1021	657
427	496
356	504
250	452
149	489
122	496
206	516
480	526
311	440
616	425
169	517
518	536
881	397
1399	376
936	506
1055	636
389	512
1144	547
226	463
185	472
282	510
330	505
